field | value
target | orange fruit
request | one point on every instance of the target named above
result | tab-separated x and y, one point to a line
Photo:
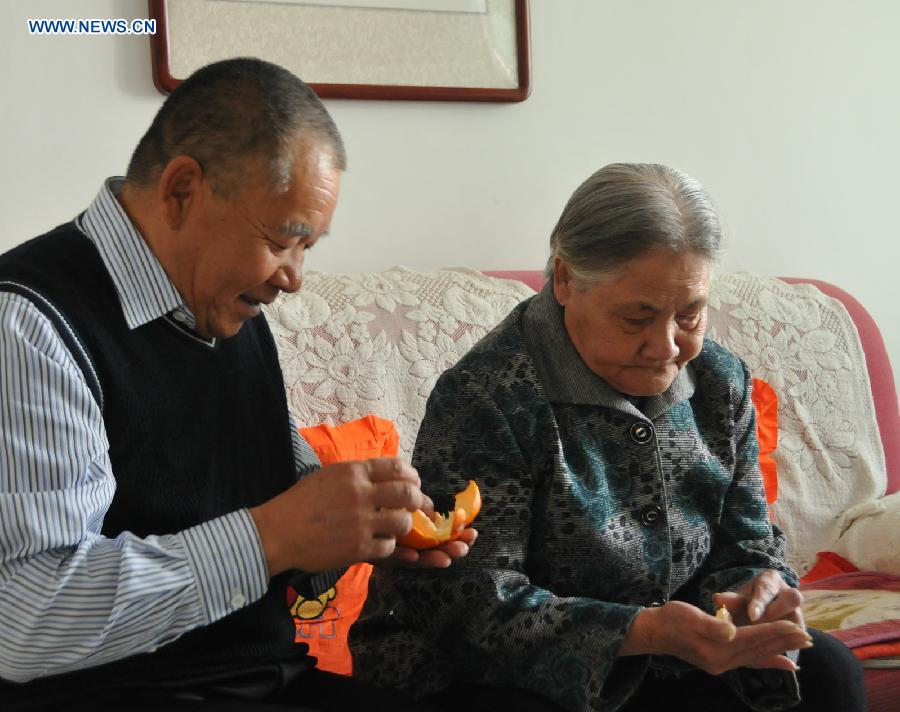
428	532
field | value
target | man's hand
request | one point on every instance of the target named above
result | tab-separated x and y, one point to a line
339	515
710	643
439	557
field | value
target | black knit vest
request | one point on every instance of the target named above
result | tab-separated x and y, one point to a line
195	431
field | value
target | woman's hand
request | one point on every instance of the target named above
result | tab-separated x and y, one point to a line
712	644
763	599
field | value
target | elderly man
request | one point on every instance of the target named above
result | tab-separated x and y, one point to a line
155	496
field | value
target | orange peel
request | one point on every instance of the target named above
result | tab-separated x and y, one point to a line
429	532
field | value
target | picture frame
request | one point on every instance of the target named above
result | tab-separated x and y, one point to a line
355	49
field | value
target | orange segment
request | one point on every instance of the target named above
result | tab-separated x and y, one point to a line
423	534
430	532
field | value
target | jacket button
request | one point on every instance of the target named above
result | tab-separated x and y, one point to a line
641	432
651	516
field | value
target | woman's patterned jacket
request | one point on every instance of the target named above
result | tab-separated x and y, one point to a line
594	506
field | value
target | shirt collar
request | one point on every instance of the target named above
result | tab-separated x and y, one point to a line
145	290
566	378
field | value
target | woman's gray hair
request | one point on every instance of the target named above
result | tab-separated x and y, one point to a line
627	209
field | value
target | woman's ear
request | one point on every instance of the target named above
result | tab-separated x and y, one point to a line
179	189
563	280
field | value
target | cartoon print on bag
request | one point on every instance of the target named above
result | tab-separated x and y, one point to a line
315	617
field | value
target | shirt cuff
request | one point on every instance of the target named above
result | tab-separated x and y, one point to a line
228	562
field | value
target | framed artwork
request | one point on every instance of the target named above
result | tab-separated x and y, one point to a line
430	50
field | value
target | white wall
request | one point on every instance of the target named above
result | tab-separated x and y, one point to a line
788	112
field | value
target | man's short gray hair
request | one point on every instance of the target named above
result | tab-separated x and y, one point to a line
626	209
233	113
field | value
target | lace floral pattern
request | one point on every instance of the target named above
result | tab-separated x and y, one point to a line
354	344
829	453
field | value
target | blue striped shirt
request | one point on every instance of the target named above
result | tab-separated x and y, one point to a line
71	598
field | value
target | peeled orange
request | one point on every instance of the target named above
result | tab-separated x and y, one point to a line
428	532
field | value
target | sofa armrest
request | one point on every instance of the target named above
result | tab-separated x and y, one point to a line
881	375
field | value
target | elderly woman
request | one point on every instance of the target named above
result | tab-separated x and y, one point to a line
623	504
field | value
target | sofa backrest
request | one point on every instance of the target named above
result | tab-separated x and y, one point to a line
374	343
881	375
878	364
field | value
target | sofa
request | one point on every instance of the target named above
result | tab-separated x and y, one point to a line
353	345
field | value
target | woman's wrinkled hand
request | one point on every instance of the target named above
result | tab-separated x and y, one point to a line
763	599
710	643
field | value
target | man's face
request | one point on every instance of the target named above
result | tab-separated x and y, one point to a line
639	328
241	252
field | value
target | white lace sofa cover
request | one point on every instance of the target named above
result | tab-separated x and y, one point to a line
355	344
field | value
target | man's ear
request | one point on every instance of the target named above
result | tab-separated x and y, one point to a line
563	280
179	189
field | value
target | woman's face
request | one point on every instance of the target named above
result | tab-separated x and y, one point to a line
636	330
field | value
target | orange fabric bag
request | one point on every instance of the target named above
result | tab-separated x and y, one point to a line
323	622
